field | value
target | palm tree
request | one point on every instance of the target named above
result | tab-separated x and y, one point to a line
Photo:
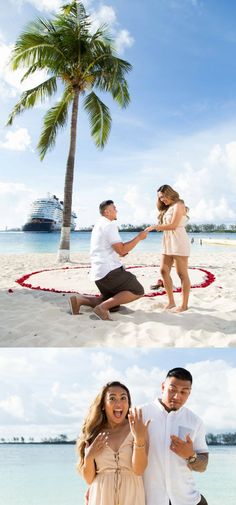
67	49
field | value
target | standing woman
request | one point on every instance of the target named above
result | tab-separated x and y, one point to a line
175	246
113	449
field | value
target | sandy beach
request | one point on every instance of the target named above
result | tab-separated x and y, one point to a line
36	318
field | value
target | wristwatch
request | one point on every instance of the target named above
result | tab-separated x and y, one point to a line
192	458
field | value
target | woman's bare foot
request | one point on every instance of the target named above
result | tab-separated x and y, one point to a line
102	314
179	309
169	306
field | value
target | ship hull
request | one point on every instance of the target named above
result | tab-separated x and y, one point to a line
46	226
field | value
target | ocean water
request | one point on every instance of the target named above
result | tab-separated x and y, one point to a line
46	475
31	242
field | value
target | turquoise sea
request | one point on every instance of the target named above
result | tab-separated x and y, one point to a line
46	475
31	242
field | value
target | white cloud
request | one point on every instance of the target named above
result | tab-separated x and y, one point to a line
13	406
20	365
40	5
123	40
55	389
16	198
18	140
5	72
230	153
104	15
100	359
202	167
10	81
57	395
213	396
210	190
107	15
141	213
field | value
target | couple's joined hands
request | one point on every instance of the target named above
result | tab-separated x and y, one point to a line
151	228
143	234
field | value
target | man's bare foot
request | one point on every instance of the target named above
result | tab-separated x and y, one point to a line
102	314
179	309
115	309
75	303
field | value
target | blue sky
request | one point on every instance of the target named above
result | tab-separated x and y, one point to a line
180	127
49	390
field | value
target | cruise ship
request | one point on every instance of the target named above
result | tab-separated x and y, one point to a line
46	215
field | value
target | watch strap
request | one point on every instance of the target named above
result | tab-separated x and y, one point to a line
192	458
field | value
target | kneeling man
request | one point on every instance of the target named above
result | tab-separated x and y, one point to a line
116	285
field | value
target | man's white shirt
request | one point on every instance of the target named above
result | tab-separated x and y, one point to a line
103	257
167	477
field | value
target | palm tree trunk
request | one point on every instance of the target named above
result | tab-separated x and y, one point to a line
64	248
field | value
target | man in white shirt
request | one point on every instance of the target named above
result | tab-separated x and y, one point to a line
116	285
177	445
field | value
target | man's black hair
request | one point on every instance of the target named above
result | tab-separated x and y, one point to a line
180	373
104	204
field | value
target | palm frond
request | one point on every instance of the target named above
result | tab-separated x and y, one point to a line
55	118
30	71
76	8
36	45
31	96
109	77
120	93
99	118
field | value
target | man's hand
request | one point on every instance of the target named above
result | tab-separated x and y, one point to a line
182	448
123	248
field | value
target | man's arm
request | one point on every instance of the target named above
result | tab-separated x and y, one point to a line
123	248
184	449
200	465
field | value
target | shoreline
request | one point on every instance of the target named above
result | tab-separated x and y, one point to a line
35	318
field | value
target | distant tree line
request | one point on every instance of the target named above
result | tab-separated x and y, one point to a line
209	228
60	439
212	439
221	439
191	228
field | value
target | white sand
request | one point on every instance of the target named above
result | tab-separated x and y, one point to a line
41	319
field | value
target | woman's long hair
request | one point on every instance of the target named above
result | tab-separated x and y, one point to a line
96	420
172	195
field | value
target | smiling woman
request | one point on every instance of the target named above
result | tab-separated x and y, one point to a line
113	448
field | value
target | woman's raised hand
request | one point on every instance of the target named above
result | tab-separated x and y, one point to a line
97	445
138	427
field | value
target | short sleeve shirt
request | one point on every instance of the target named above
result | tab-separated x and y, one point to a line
167	476
103	257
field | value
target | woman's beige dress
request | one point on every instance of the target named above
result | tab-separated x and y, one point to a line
115	482
175	242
